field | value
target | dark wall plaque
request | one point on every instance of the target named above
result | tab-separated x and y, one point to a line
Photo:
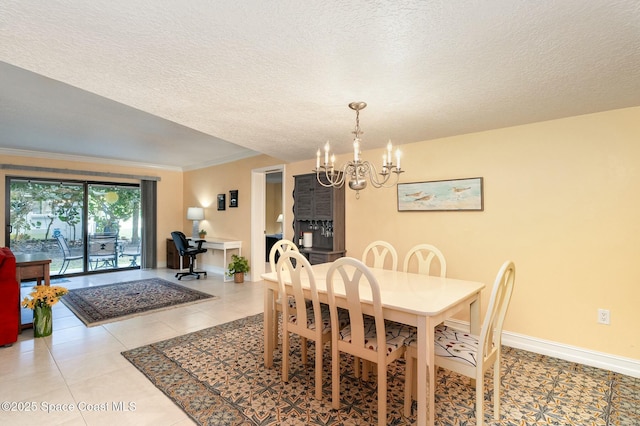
233	198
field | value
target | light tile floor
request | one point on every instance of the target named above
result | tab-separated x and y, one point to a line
78	377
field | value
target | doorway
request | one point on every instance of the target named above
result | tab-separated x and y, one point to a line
268	189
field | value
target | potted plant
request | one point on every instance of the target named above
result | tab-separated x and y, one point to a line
237	268
202	233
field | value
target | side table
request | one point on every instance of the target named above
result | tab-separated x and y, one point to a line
32	267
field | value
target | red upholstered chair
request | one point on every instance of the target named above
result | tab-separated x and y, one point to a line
9	298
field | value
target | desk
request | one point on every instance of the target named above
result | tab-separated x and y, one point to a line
223	244
419	300
30	267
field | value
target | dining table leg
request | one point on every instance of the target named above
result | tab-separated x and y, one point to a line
425	368
269	318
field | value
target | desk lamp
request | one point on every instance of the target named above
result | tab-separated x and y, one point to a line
279	220
196	214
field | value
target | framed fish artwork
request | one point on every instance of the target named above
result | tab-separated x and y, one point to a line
441	195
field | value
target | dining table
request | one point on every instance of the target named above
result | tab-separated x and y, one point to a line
422	301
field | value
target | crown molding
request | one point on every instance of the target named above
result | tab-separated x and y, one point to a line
80	158
224	160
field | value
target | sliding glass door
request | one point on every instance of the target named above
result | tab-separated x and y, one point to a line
113	226
81	226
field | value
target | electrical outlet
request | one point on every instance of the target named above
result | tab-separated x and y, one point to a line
604	316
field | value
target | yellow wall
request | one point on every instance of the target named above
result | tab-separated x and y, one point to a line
169	188
560	199
201	188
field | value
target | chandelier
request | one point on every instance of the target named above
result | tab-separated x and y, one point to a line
358	171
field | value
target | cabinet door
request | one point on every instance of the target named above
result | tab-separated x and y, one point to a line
173	257
304	195
317	258
323	203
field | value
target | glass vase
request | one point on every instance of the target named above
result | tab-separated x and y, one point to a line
42	321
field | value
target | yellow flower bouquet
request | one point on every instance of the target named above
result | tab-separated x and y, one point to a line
44	295
41	299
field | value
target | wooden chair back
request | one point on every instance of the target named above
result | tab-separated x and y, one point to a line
358	283
375	255
421	257
491	334
295	269
278	249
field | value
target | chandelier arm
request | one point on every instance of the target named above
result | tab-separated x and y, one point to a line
383	182
373	177
334	179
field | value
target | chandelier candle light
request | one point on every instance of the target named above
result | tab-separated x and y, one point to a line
357	171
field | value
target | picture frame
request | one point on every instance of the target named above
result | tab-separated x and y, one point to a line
442	195
233	198
221	201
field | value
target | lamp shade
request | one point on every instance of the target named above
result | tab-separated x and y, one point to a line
195	213
280	218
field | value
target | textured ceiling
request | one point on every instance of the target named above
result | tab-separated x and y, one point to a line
187	84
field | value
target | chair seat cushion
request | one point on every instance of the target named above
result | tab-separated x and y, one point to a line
457	344
292	303
311	322
193	251
396	334
291	300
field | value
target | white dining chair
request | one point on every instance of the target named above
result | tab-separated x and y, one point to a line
277	250
471	355
420	258
368	337
307	320
375	255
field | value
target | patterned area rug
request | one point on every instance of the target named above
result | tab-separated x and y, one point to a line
217	377
115	302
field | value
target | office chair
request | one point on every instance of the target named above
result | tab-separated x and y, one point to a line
183	247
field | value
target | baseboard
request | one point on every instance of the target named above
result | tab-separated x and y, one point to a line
218	270
618	364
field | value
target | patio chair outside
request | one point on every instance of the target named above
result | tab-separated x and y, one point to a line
67	257
103	251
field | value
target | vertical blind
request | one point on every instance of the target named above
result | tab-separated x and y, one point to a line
149	207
